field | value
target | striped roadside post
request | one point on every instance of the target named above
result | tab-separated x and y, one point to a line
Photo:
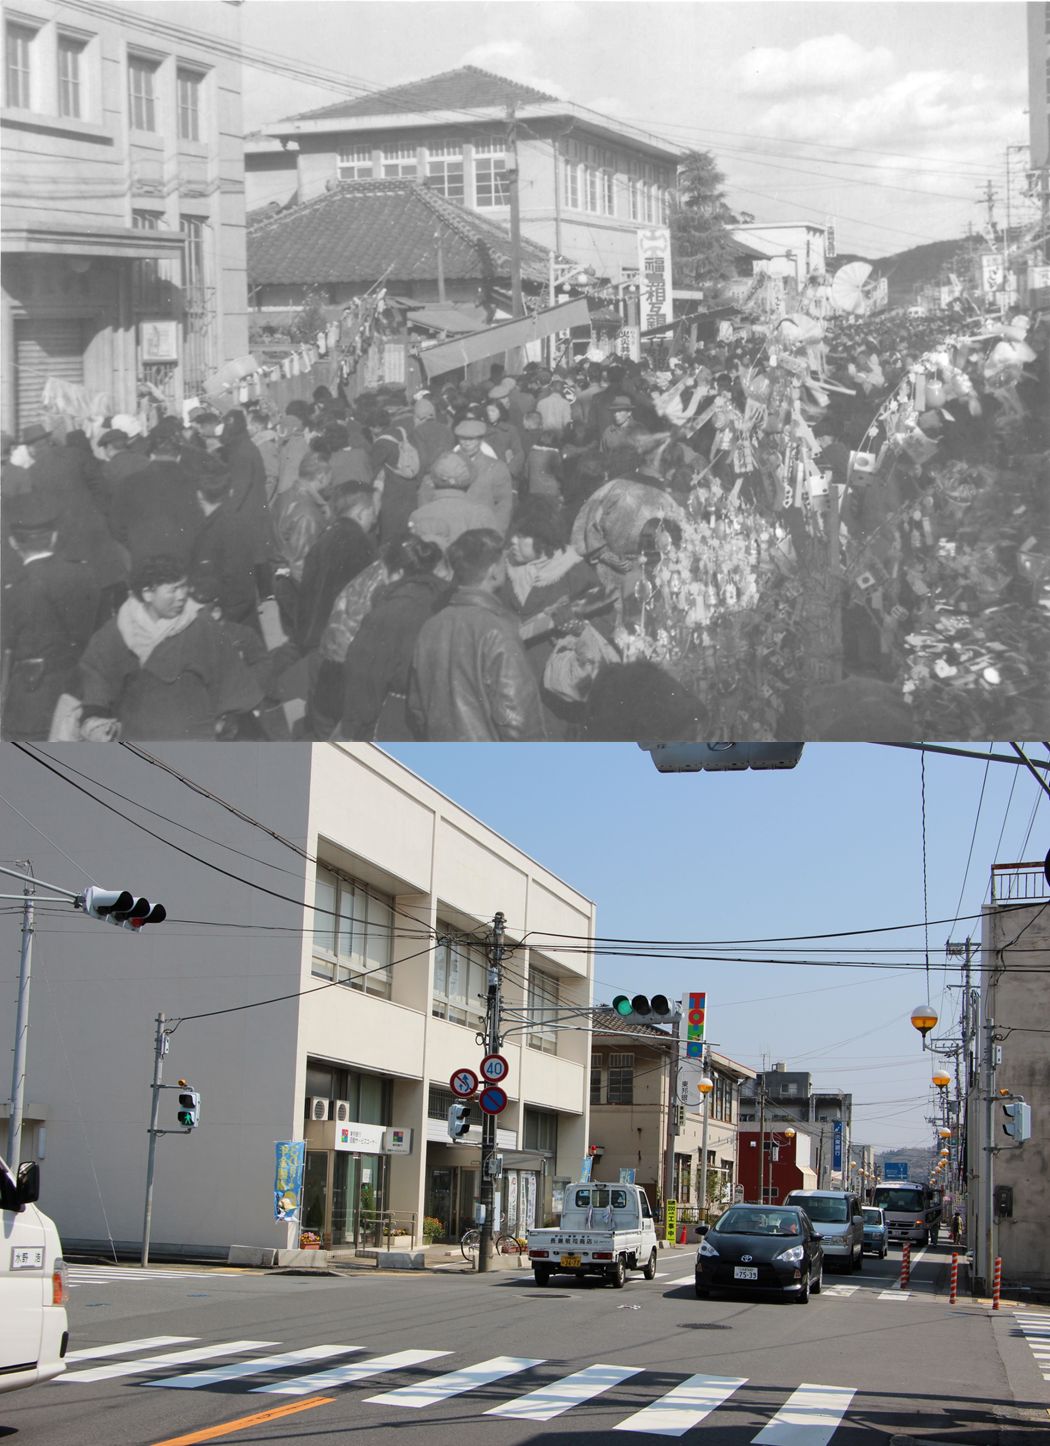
905	1264
997	1282
954	1287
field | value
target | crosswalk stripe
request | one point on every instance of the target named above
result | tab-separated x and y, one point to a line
839	1291
124	1348
194	1380
430	1392
149	1363
894	1294
682	1407
809	1417
346	1375
683	1279
550	1401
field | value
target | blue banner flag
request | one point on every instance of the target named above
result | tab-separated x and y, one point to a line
836	1146
288	1179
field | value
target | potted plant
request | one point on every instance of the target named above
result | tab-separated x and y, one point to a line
432	1229
309	1240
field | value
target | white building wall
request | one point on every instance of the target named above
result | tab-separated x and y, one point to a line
97	990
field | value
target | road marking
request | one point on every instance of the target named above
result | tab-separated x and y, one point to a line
194	1380
683	1279
172	1358
77	1275
212	1433
124	1348
428	1393
840	1291
682	1407
895	1293
347	1374
809	1417
550	1401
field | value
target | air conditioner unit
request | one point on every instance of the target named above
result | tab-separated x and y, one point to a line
342	1110
317	1109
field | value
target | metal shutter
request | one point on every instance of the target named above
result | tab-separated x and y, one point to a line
51	347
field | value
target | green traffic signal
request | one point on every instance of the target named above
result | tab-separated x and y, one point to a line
622	1004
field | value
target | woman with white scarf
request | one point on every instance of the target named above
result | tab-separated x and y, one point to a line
162	668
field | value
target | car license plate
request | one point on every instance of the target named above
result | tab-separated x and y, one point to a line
570	1260
745	1272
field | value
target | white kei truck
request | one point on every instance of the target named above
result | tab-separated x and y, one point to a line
34	1331
605	1230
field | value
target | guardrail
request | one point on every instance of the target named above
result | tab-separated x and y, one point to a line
1016	882
375	1229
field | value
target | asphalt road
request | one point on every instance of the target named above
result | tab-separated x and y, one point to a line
213	1355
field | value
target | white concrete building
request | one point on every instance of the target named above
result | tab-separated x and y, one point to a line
356	1017
793	249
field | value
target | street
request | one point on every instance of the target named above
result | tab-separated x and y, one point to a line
185	1355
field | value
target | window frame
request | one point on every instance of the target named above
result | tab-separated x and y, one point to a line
619	1084
571	185
355	158
67	44
446	171
350	969
185	74
542	1036
470	958
19	34
142	65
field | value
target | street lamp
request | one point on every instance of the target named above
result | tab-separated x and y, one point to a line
944	1133
942	1079
705	1084
924	1017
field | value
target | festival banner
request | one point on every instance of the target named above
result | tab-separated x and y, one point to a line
288	1179
654	277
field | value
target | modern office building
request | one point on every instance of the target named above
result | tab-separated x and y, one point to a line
322	972
121	149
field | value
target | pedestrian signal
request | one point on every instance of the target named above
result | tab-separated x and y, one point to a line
644	1009
189	1112
1018	1119
120	906
458	1121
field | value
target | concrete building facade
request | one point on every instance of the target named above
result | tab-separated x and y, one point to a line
324	988
121	147
1012	1056
824	1115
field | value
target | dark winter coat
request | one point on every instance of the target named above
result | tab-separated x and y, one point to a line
375	673
341	551
49	608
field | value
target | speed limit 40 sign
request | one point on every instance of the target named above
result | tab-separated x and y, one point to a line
494	1067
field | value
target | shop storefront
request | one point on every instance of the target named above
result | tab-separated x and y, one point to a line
347	1179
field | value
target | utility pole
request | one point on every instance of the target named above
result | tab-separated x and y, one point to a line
493	1041
672	1116
18	1072
762	1138
439	238
159	1051
515	214
988	1183
703	1138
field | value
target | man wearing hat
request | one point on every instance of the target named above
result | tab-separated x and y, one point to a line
619	435
49	608
219	547
449	512
294	443
119	460
156	509
492	485
553	408
431	436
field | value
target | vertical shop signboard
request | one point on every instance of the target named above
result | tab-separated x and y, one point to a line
654	277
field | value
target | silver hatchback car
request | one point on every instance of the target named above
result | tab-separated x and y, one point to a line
837	1215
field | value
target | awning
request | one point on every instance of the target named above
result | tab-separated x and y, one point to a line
448	355
443	318
120	242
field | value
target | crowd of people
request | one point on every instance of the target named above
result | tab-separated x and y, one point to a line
822	531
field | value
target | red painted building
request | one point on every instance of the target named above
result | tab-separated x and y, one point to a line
788	1164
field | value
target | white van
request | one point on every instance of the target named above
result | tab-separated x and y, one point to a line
34	1331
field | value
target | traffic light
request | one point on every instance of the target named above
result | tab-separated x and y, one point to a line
644	1009
1018	1119
119	906
721	757
189	1112
458	1121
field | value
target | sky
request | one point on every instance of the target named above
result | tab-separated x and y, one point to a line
888	117
834	844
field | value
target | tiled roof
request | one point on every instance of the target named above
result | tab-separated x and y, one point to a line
468	88
363	230
607	1021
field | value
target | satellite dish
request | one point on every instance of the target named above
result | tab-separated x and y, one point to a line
848	295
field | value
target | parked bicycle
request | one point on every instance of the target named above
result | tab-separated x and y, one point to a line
504	1244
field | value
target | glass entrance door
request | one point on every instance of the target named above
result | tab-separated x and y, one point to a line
315	1191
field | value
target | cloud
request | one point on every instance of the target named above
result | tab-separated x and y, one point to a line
513	59
824	63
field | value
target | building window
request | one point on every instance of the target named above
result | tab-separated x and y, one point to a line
591	181
460	980
194	261
355	163
18	92
445	169
608	199
189	85
541	1131
353	933
596	1079
490	174
145	274
633	201
70	80
542	1010
621	1079
400	160
440	1101
571	185
142	100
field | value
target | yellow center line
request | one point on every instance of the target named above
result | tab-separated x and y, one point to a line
259	1418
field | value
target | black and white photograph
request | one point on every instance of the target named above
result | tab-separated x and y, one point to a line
504	372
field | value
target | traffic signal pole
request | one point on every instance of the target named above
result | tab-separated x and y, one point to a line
160	1046
488	1125
18	1074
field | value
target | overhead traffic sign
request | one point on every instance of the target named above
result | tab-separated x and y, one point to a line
494	1067
463	1083
493	1100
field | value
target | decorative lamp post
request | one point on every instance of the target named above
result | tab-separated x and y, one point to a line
924	1017
705	1085
942	1079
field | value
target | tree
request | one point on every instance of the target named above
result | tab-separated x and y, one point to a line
700	221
